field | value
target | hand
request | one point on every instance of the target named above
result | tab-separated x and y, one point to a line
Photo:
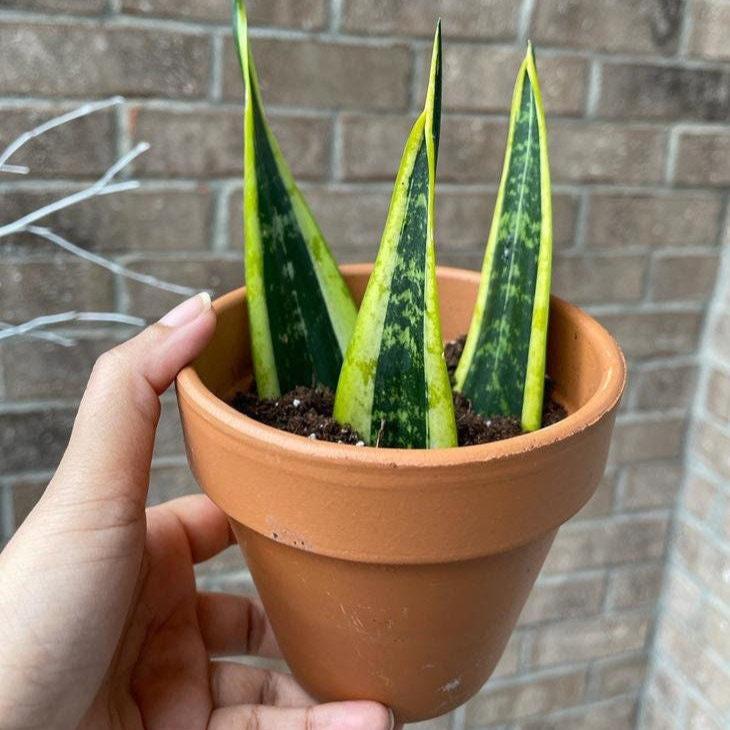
100	623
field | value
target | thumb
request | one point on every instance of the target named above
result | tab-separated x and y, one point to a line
86	535
110	450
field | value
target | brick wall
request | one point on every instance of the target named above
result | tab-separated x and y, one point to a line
638	98
689	682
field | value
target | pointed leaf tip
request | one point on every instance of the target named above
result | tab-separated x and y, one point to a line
300	310
394	388
502	369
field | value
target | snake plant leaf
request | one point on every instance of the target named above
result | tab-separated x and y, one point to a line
394	387
502	368
301	312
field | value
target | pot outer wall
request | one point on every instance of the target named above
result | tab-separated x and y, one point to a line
395	575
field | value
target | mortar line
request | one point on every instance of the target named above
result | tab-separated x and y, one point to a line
215	88
595	81
524	21
335	19
686	28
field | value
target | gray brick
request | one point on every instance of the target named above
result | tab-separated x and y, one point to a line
647	91
646	219
34	439
647	437
708	24
43	370
618	676
305	14
481	78
665	386
703	158
687	277
79	7
619	714
57	285
471	148
83	60
352	217
219	274
322	74
208	143
562	598
81	148
651	485
590	638
635	586
463	218
606	152
483	19
648	26
596	279
518	699
591	544
653	334
152	218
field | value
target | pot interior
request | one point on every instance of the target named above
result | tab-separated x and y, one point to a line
225	367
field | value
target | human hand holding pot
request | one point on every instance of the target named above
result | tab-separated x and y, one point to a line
100	622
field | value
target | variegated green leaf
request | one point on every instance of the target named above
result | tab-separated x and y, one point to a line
394	387
502	369
301	312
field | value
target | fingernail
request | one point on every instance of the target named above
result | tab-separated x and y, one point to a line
187	311
392	719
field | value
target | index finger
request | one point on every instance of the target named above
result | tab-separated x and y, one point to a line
206	526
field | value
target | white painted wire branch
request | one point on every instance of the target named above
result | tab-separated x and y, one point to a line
47	320
112	266
40	335
105	185
82	111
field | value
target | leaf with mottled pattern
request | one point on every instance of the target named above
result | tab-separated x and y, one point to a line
502	368
394	387
301	312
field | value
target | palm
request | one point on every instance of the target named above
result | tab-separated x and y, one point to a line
162	676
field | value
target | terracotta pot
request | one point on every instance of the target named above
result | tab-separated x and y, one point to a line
390	574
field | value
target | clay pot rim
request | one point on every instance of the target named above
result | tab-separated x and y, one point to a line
223	416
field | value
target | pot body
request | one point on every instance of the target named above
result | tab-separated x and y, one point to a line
421	639
390	574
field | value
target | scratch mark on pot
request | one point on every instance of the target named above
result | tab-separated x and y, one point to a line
452	685
429	666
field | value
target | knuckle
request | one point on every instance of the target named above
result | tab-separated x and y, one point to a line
310	723
107	364
268	688
254	719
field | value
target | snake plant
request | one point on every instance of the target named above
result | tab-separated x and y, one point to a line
502	368
300	309
394	387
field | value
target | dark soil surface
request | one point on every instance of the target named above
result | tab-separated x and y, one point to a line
304	411
308	412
